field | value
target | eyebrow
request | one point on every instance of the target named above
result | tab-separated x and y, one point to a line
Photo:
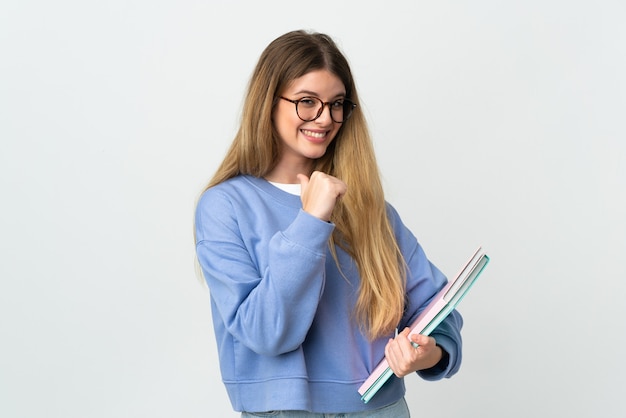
312	93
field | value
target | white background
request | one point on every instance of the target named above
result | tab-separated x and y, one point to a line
496	123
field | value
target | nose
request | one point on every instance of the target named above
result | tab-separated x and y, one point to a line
325	117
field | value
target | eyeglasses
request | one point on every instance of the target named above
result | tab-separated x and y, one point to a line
311	108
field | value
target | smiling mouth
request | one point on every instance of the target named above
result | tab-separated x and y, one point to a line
318	135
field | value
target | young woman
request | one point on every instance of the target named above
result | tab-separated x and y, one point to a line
310	270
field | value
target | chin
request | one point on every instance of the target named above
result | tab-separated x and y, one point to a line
314	155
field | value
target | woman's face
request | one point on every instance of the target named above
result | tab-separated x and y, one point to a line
302	142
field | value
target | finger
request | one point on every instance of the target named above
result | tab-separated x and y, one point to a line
418	339
405	339
425	344
400	355
341	188
393	358
331	184
396	347
403	349
405	332
424	340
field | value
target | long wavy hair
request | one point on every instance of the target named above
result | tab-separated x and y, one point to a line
362	226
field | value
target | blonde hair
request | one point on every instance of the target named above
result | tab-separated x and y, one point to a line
362	227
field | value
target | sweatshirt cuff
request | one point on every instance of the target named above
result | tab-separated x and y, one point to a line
309	231
443	368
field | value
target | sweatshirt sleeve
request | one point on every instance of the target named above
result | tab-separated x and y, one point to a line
269	311
424	280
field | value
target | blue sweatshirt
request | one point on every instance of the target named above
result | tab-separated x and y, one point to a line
283	312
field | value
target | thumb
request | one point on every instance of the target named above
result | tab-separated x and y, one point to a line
304	180
419	339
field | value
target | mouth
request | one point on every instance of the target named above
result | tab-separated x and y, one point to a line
314	134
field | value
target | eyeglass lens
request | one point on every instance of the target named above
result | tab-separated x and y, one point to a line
310	108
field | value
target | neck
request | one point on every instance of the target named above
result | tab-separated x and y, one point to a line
288	174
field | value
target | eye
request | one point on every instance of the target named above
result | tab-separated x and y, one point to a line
337	104
308	102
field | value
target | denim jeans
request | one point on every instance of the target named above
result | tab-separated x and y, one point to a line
398	409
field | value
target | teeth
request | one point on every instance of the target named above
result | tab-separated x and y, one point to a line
314	134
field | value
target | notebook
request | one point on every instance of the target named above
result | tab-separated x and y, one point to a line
444	302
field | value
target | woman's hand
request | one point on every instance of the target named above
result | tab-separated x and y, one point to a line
404	358
320	193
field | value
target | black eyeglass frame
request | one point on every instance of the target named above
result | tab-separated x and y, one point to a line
350	107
